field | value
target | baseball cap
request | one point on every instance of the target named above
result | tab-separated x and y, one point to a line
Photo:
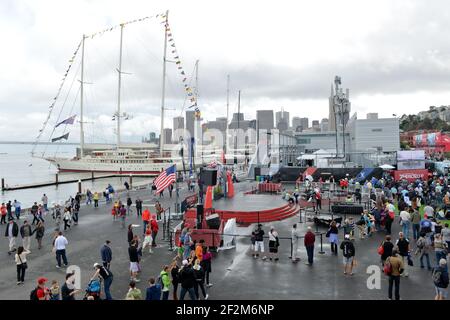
185	262
347	236
42	280
96	264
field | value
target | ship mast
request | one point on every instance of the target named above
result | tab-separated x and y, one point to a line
161	135
119	70
81	99
228	114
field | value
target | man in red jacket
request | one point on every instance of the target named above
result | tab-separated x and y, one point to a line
310	238
146	218
155	228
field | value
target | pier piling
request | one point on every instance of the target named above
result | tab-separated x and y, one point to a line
3	184
56	179
79	186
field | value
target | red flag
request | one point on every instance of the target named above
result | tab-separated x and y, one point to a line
230	186
208	198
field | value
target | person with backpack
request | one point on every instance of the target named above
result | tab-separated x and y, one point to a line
21	263
187	280
402	246
405	221
415	221
440	248
40	292
441	280
348	251
199	275
154	290
164	282
40	231
393	268
385	249
389	218
423	250
105	275
25	233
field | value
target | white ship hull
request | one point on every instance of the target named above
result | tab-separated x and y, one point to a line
119	166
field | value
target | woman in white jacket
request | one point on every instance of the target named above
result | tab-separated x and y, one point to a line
67	219
21	262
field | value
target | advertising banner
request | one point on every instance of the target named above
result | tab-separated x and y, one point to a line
410	175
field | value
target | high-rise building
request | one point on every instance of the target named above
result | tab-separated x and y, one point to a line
190	122
316	125
296	122
304	122
324	125
167	136
264	119
178	128
282	120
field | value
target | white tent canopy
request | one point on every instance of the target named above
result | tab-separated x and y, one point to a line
319	154
387	167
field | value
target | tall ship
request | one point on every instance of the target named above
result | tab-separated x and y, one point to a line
123	160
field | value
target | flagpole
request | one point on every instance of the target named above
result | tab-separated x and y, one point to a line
120	85
81	100
228	115
161	135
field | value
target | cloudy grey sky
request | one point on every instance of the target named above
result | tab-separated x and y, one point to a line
393	55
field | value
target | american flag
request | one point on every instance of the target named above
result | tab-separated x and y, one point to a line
165	179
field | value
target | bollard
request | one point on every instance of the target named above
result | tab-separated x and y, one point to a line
170	242
79	186
131	181
321	244
3	183
56	179
92	175
301	215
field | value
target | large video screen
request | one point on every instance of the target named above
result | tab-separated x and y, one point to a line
407	160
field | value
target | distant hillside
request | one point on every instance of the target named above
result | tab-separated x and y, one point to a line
436	118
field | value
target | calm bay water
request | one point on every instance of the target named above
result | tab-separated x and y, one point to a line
17	167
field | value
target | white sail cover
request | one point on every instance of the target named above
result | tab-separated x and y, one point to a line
229	232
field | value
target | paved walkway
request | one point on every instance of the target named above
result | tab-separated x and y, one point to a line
236	275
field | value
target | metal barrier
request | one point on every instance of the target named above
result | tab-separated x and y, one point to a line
317	233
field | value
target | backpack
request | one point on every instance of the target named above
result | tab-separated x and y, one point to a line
348	250
391	215
33	295
160	282
387	269
437	275
421	243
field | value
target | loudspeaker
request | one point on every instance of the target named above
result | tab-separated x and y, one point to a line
208	177
199	216
213	221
